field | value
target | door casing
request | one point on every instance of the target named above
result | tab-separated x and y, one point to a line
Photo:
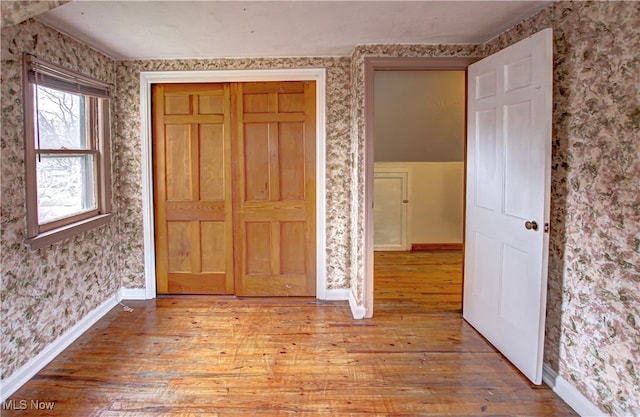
148	78
389	64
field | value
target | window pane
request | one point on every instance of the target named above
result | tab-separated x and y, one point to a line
66	186
61	120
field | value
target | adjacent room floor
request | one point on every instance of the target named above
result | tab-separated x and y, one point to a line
227	356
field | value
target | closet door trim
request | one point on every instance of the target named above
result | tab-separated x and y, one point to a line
147	79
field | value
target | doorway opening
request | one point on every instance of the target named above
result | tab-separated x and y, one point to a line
380	156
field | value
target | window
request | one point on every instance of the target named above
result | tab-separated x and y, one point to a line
67	152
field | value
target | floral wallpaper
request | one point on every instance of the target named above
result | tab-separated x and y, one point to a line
45	292
14	11
338	158
593	310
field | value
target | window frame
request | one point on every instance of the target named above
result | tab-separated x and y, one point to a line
37	72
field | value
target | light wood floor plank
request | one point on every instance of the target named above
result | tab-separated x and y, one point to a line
226	356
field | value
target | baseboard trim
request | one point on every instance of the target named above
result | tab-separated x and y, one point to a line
358	312
338	294
23	374
434	247
389	248
133	293
570	394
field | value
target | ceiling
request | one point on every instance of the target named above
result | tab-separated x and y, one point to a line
237	29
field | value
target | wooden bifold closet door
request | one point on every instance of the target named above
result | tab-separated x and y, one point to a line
234	179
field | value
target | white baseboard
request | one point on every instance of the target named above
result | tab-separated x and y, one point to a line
23	374
340	294
358	312
570	394
133	293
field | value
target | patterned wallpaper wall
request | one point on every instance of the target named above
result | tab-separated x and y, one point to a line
17	11
338	158
44	292
593	313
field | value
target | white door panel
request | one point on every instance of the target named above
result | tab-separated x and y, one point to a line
508	185
390	211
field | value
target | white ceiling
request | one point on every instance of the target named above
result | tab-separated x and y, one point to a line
215	29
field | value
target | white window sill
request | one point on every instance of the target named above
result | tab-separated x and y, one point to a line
56	235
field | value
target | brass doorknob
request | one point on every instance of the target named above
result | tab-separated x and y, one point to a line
531	225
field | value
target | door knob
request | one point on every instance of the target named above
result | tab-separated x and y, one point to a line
531	225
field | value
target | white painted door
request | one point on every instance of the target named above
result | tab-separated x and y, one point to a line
390	211
508	191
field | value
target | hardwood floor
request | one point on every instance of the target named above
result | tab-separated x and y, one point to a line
418	282
226	356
